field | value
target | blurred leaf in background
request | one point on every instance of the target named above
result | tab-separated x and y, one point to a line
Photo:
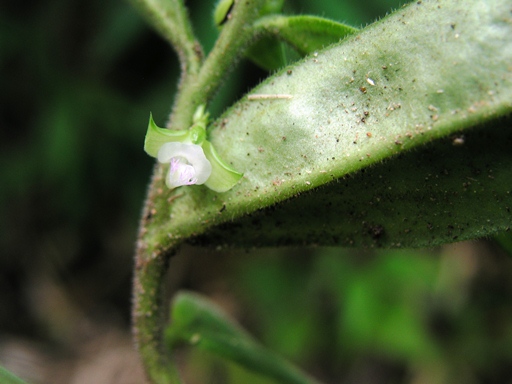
397	316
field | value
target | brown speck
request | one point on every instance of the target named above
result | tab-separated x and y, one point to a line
289	72
362	89
369	134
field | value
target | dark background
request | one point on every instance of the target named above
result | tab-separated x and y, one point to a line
77	82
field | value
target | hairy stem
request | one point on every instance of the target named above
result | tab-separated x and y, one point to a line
236	34
198	84
170	19
149	311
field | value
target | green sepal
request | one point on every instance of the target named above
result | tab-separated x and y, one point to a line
197	132
197	135
156	137
223	177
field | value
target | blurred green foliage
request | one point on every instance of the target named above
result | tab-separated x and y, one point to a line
77	82
433	316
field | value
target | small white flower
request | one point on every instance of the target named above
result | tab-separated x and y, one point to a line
191	158
188	164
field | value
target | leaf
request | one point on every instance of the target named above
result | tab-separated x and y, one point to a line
7	377
307	33
363	152
198	322
267	53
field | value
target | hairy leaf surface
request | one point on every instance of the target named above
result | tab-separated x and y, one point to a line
398	136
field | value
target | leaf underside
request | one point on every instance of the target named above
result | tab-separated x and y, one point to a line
446	192
398	136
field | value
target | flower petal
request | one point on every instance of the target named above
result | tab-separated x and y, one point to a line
188	154
180	173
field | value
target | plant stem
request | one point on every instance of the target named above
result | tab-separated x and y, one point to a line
149	312
236	34
148	320
198	84
170	19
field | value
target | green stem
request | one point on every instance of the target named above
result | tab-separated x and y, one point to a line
170	19
198	84
149	311
236	35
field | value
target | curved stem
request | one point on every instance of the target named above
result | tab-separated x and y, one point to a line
170	19
236	34
198	84
148	320
149	311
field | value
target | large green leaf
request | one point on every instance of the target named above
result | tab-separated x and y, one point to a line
361	151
